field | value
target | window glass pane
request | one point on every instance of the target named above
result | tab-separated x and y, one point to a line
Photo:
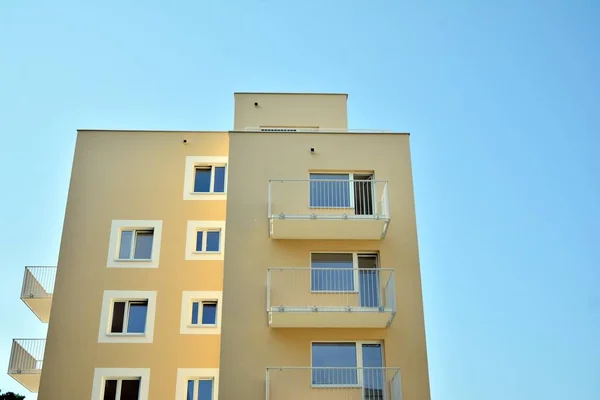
205	389
143	245
331	272
137	317
327	355
212	240
202	180
199	235
219	180
190	390
125	245
373	379
117	317
110	389
195	312
130	389
369	287
330	190
209	313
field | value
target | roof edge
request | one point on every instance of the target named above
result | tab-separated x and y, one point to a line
322	132
149	130
295	93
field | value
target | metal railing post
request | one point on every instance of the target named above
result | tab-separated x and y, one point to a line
269	211
268	290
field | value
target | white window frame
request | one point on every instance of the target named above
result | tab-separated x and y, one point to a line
134	235
350	185
204	240
193	162
126	316
185	374
211	185
187	299
359	360
120	380
108	300
116	229
356	278
197	386
190	249
101	375
201	303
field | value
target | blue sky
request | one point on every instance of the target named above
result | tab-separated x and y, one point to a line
502	99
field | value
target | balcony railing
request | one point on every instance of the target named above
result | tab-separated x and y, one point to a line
37	290
328	209
331	297
25	363
333	383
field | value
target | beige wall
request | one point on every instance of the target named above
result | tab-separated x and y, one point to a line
129	175
249	345
290	110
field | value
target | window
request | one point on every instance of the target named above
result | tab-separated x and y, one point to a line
332	272
327	356
348	272
351	190
121	389
121	384
136	244
199	389
197	384
129	316
205	178
330	191
205	240
348	364
209	179
208	240
205	312
201	312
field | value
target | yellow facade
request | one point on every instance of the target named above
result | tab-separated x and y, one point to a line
270	313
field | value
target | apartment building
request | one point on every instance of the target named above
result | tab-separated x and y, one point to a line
257	263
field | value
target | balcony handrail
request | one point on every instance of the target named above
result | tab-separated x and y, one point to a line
327	269
333	368
309	130
26	356
328	180
38	282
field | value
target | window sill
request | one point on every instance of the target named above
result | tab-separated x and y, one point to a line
195	326
333	291
206	252
332	386
207	193
126	334
330	208
133	260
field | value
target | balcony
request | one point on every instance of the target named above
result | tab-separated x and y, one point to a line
38	286
25	364
299	383
330	297
338	208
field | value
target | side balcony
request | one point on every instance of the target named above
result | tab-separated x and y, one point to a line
330	297
299	383
25	363
340	208
38	286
